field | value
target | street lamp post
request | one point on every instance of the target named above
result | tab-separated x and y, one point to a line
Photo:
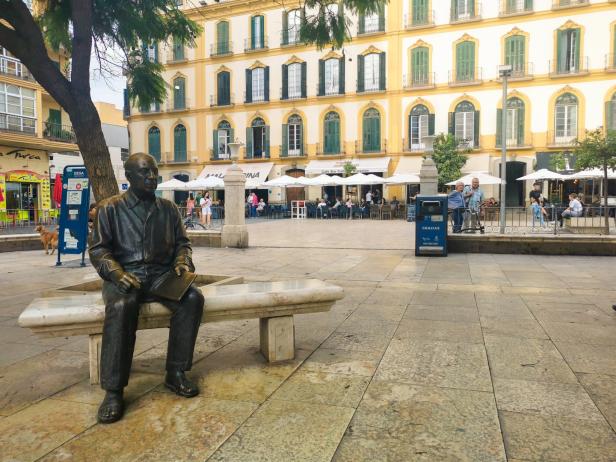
504	72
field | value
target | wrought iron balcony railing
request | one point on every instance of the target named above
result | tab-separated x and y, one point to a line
221	49
461	77
512	7
420	80
58	132
566	67
419	19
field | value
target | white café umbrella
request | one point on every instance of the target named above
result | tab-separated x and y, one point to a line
172	185
362	179
210	182
592	173
285	181
543	174
402	178
324	180
484	179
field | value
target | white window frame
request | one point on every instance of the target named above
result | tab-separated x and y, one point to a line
223	142
372	72
419	130
294	132
565	115
465	128
258	84
12	114
511	131
332	76
371	23
464	9
294	22
294	80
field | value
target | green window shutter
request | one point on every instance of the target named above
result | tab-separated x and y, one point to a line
528	5
178	49
252	32
231	137
341	81
303	81
215	144
610	107
154	143
301	138
360	74
561	50
431	124
451	127
362	24
499	127
515	53
249	142
321	77
219	89
285	81
267	141
179	144
285	140
454	9
366	135
465	61
520	126
156	52
472	7
476	129
222	32
55	117
578	64
382	80
285	27
266	83
419	64
179	99
248	86
377	136
335	144
262	33
381	17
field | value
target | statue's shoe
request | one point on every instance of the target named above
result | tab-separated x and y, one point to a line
177	382
111	409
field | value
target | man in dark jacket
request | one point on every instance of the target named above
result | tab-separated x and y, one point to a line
136	238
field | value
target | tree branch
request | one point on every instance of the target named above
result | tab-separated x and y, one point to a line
81	17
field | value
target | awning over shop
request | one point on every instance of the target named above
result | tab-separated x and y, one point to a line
409	165
256	173
378	165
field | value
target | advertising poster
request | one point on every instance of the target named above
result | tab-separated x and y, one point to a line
2	192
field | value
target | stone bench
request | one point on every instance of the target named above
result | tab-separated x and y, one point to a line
79	310
586	225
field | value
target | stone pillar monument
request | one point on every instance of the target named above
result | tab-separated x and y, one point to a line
234	231
428	174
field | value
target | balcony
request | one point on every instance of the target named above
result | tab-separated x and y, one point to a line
219	156
467	143
561	139
321	151
456	17
291	97
371	28
215	101
290	38
610	62
415	147
515	7
176	56
178	105
57	132
515	143
564	68
381	149
221	49
420	81
460	78
418	21
523	72
13	68
370	89
559	4
256	98
179	157
329	91
296	153
251	47
257	155
17	124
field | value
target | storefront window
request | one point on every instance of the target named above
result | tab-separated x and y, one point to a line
17	108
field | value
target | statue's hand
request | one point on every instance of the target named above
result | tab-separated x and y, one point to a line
181	268
125	281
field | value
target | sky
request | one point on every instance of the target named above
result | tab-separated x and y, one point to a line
107	89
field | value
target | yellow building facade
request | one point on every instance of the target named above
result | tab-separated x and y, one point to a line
418	67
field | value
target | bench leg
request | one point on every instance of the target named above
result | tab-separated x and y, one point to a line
277	338
95	358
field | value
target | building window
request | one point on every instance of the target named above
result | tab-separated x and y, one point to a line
610	113
154	143
515	54
291	25
258	84
465	61
257	33
371	72
517	6
178	49
462	10
179	144
293	81
421	124
568	51
223	88
331	133
151	52
257	140
420	12
179	94
292	137
464	125
420	67
17	109
515	123
566	119
331	76
371	23
222	38
371	131
223	135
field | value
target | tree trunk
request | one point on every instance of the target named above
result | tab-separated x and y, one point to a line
93	147
606	210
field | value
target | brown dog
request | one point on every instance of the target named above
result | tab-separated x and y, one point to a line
48	238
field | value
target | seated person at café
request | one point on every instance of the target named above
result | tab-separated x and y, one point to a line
261	206
574	210
338	203
394	203
455	203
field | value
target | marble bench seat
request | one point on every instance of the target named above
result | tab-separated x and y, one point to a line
274	303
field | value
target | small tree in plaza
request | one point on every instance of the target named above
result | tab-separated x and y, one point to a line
349	168
598	150
449	159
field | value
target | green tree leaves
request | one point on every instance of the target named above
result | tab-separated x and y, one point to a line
449	159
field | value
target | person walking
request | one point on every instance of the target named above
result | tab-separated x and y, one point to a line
190	205
369	198
255	204
455	204
206	210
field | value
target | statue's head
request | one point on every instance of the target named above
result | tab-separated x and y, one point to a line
142	173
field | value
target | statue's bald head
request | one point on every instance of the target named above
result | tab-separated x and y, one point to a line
137	160
142	173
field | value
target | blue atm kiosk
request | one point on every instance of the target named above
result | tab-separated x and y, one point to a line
431	226
73	233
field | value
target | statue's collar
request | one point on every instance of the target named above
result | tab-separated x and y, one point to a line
132	200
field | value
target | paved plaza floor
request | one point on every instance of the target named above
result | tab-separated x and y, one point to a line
464	358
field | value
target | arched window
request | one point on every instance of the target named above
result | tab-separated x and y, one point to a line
610	113
154	143
223	135
515	123
222	38
464	124
179	93
421	124
420	67
568	51
331	133
371	131
420	13
223	88
566	118
515	54
257	140
179	143
257	34
465	61
293	137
